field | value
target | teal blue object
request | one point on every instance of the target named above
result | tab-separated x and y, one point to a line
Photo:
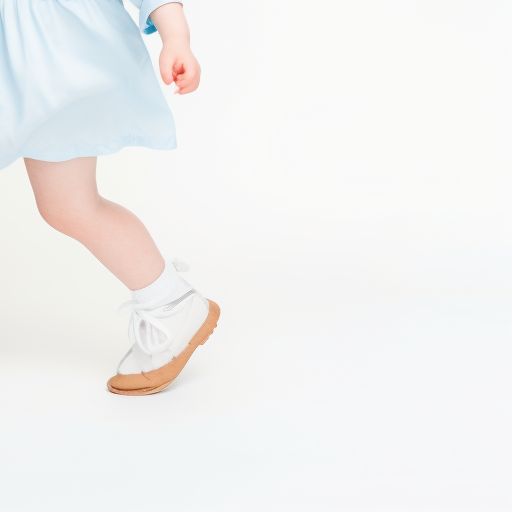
150	27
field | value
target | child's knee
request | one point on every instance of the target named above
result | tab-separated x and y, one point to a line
67	218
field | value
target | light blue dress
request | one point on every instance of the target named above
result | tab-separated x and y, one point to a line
76	80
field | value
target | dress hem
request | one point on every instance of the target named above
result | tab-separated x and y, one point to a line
49	156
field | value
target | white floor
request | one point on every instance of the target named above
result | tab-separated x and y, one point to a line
376	379
342	190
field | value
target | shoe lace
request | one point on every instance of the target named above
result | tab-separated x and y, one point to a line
143	312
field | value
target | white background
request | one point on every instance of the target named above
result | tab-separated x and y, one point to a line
341	189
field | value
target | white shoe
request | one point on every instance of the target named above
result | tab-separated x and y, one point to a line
164	336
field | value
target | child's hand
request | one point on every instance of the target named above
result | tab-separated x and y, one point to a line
178	65
177	62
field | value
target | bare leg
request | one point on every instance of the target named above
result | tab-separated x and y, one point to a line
67	197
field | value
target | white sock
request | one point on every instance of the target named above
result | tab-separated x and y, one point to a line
168	286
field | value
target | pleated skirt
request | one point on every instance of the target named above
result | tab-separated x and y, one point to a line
76	79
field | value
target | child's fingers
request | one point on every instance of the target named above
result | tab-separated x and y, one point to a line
170	66
183	82
187	82
186	89
187	85
177	70
188	73
167	73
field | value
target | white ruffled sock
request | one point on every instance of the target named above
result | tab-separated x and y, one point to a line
169	286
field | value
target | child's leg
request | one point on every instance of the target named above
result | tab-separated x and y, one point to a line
67	198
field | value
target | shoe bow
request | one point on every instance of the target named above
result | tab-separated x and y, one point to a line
143	312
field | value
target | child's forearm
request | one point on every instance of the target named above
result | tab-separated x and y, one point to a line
170	21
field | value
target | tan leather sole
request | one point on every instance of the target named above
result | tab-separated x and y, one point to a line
156	380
